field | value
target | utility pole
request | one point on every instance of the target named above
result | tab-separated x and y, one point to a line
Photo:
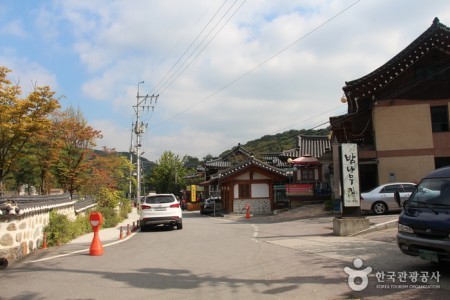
131	162
142	102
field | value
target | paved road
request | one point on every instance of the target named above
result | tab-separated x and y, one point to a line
221	258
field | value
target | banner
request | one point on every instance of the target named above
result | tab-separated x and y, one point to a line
300	189
193	193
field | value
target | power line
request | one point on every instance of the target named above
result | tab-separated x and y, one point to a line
258	65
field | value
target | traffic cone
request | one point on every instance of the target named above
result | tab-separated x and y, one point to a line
96	246
44	241
121	233
247	214
128	230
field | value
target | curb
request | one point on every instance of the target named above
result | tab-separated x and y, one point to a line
377	227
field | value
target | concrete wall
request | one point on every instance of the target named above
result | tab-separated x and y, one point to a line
405	143
403	127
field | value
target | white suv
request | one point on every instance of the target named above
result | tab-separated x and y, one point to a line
160	209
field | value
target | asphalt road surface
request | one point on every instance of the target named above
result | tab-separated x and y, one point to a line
222	258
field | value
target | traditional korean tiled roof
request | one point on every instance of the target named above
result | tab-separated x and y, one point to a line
306	144
217	163
251	162
28	204
435	37
313	145
84	204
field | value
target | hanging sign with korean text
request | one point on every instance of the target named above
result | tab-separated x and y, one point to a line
350	175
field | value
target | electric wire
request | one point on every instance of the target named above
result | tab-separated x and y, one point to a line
258	65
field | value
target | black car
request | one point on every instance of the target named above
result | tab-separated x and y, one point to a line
211	205
424	224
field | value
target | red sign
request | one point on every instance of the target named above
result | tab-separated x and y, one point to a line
96	220
300	189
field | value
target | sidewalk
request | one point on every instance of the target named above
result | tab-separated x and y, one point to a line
109	235
377	222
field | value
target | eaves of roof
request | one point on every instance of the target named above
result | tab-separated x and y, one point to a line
251	162
30	204
435	37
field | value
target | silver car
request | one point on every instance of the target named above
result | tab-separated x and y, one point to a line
160	209
381	199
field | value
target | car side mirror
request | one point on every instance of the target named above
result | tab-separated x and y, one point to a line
397	198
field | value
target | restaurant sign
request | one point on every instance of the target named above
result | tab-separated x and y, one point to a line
350	175
302	189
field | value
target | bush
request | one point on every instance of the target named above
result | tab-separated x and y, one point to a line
113	207
61	230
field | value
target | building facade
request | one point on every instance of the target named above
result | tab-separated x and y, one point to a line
398	115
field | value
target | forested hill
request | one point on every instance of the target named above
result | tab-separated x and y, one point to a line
280	141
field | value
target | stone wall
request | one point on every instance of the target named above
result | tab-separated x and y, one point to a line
22	229
257	206
21	234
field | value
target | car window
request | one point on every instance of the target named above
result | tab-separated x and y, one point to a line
159	199
391	188
409	188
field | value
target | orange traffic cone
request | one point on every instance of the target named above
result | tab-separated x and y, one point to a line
96	246
247	214
44	242
121	233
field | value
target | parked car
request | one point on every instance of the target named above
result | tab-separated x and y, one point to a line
160	209
381	199
211	205
424	223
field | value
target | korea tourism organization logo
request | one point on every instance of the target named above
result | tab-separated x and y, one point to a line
358	278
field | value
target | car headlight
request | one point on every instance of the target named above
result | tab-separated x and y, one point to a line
404	228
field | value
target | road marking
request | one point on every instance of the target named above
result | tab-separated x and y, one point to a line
255	233
80	251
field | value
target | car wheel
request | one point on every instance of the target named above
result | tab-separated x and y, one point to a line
179	225
379	208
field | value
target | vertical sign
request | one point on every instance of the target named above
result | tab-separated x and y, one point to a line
350	175
193	193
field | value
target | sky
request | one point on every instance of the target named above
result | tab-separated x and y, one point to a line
225	71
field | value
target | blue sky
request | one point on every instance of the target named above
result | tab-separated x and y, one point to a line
226	71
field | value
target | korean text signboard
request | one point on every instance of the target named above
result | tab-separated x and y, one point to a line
350	175
193	193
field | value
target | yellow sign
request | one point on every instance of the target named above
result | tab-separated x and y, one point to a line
193	193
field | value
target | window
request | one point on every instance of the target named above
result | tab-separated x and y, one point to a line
409	188
439	118
307	174
244	190
392	188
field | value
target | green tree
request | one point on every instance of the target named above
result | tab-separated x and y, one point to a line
169	173
20	119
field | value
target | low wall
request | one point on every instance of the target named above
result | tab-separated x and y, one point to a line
257	206
22	224
20	235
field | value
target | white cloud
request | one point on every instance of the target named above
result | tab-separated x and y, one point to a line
276	65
